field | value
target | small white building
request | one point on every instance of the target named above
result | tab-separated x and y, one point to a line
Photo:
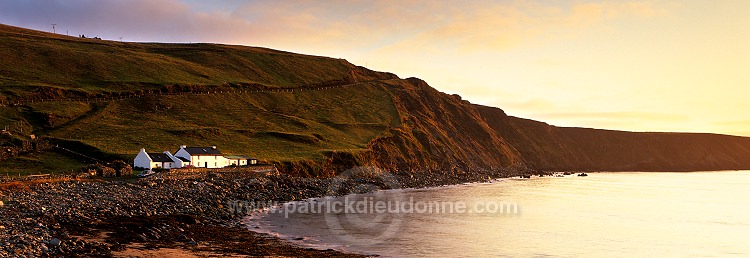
241	160
146	160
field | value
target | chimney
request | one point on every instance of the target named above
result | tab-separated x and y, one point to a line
143	149
213	147
183	146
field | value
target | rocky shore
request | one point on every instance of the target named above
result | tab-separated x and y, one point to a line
184	213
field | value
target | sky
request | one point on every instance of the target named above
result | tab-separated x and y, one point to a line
678	66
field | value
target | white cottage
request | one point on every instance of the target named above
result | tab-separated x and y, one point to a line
146	160
202	157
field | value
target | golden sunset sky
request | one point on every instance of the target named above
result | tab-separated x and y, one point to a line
629	65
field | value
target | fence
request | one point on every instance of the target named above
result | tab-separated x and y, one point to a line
16	177
312	87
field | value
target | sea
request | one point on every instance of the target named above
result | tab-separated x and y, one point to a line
604	214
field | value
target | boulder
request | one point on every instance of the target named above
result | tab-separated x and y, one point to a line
108	172
99	170
53	242
121	168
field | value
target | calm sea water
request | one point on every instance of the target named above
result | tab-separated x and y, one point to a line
602	215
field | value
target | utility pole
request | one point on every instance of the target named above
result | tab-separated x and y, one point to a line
53	27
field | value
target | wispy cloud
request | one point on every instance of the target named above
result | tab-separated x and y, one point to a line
340	23
139	20
496	26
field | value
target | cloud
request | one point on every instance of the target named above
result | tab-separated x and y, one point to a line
594	12
466	25
138	20
497	26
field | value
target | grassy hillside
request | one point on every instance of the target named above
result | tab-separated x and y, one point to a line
153	96
268	125
280	126
33	60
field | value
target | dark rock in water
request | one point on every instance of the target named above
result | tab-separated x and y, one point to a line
298	238
583	174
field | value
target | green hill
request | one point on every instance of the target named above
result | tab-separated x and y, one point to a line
268	125
32	58
106	100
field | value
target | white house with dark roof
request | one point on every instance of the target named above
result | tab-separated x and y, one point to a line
202	157
146	160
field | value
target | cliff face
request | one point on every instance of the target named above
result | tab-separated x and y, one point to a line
555	148
442	131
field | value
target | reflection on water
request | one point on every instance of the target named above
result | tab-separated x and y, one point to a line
605	214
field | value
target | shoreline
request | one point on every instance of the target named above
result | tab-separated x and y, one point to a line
300	239
291	239
183	214
175	214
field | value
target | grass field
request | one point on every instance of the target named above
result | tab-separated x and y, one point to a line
48	163
32	60
279	126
